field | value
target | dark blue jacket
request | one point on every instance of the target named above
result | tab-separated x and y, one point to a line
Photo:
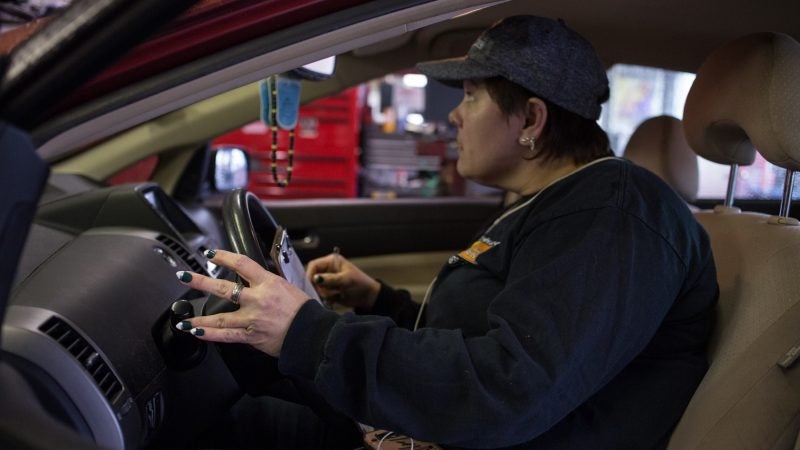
578	320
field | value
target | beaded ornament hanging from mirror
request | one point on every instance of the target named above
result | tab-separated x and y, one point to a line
280	106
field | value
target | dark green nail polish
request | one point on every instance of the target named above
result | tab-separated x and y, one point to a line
184	325
198	331
184	276
210	254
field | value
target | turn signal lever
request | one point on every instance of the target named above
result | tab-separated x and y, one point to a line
181	350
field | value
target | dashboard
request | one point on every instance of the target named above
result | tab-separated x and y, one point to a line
91	314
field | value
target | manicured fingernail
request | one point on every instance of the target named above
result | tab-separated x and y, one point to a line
197	331
210	254
183	325
318	279
184	276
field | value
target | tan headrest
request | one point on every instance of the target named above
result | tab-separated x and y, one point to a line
658	145
746	95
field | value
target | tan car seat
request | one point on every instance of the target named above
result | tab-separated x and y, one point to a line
659	145
746	96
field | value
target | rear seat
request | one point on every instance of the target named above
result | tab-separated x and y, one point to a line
746	97
658	145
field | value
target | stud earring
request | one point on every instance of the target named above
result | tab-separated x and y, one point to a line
530	142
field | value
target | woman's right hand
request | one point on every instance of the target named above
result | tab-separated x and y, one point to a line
338	280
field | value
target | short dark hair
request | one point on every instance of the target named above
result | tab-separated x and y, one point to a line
565	134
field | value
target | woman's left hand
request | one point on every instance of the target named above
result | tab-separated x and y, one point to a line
266	308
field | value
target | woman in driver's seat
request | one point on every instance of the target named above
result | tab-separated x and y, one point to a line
578	319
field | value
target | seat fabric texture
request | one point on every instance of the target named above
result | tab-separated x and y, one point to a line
744	98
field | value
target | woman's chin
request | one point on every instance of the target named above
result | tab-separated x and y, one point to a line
464	170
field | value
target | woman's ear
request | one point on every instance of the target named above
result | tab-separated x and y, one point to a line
535	117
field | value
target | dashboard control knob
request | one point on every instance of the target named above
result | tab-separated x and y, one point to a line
181	350
179	311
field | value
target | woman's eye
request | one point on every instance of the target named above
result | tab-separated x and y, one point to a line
468	97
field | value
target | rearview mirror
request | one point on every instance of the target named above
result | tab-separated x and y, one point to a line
318	70
230	169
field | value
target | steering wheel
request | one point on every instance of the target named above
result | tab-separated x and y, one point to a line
249	226
250	229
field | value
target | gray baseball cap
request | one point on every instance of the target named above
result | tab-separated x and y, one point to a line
542	55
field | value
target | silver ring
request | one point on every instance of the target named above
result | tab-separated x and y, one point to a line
237	292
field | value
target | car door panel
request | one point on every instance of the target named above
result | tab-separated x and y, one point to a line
402	242
367	227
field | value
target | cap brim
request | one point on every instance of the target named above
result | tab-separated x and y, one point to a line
455	70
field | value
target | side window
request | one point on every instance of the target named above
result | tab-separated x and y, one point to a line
638	93
390	138
758	181
387	138
325	150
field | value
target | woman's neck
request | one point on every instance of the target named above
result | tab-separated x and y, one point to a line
540	174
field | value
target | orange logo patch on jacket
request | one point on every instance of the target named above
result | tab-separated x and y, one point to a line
478	247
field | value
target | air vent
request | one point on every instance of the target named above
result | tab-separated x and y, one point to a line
80	348
182	253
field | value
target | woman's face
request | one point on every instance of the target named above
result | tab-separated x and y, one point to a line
488	148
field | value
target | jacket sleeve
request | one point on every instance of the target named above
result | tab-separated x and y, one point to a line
395	304
568	320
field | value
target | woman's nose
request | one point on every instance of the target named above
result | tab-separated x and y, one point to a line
454	118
